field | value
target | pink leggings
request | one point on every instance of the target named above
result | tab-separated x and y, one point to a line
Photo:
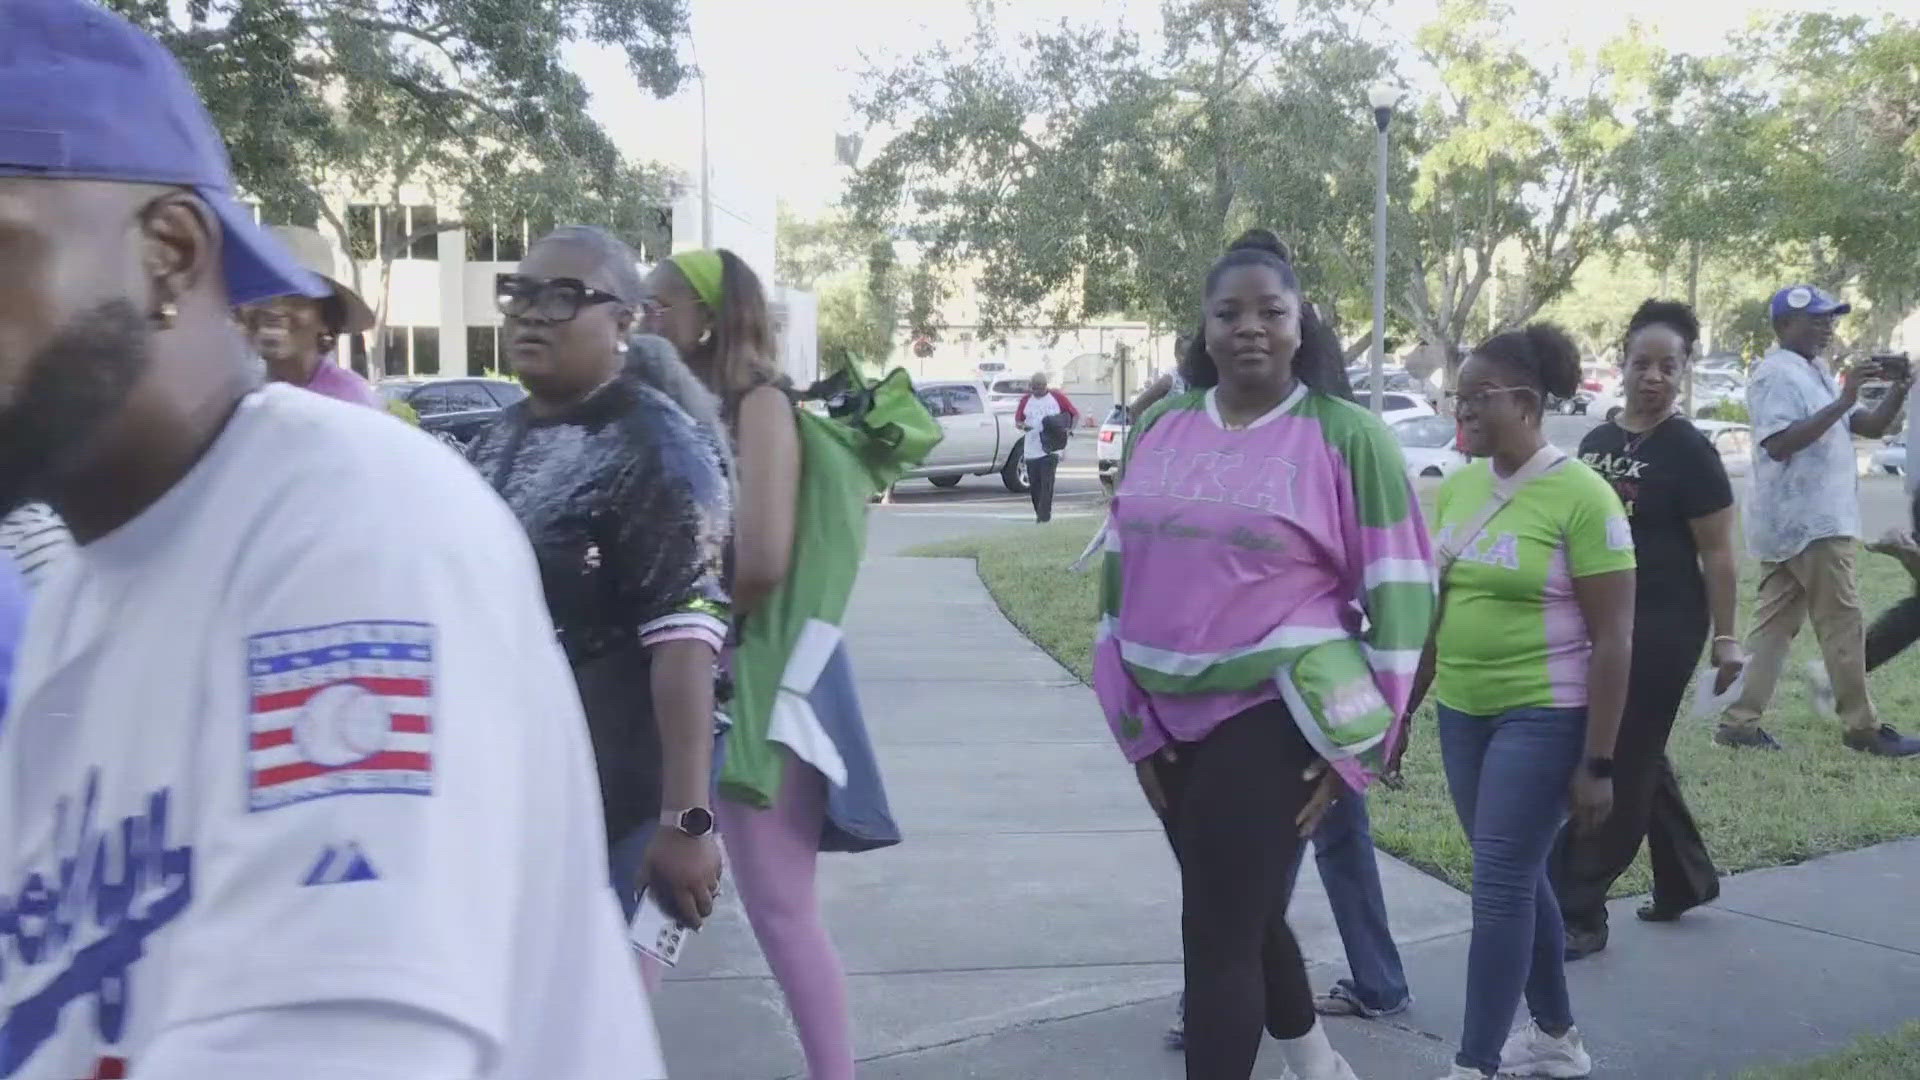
771	855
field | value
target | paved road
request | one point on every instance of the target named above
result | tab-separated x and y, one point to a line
921	513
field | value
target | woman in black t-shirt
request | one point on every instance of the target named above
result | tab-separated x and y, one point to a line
1681	506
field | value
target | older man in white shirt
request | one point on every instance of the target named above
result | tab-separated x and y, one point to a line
1803	521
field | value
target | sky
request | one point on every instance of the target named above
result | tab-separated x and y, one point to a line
779	74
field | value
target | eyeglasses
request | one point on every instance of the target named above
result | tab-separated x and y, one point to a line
557	300
1479	398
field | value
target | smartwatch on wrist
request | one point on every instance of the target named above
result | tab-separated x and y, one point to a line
1600	768
695	822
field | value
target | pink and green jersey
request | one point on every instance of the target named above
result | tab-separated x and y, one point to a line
1230	552
1512	635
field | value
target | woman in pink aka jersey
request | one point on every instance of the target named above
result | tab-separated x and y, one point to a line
1266	592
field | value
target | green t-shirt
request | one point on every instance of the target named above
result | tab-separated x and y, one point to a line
1511	632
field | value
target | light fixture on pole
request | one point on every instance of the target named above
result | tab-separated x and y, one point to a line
1382	96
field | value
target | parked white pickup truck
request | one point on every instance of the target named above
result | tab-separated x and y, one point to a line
980	440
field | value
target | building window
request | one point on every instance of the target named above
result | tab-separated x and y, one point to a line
362	232
357	354
483	351
423	224
510	241
426	350
479	241
395	365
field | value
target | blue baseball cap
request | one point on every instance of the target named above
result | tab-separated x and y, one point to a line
84	95
1807	300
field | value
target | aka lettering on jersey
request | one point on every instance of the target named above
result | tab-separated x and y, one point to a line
1488	549
73	927
1211	476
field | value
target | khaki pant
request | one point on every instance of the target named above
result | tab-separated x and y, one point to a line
1818	582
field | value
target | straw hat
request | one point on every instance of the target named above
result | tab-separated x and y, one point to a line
312	251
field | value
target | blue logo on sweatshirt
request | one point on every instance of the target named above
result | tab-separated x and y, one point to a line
88	916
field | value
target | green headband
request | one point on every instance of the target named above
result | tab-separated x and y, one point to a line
704	271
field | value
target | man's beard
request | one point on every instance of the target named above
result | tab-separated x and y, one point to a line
72	387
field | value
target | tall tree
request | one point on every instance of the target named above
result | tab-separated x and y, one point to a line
1793	152
1075	174
457	96
1519	169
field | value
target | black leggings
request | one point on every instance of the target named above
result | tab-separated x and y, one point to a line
1231	801
1647	804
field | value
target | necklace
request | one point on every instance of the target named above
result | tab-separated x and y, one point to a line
1634	439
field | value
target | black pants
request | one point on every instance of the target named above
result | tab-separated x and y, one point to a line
1898	626
1891	633
1231	801
1040	474
1647	803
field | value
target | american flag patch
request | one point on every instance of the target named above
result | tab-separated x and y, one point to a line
340	710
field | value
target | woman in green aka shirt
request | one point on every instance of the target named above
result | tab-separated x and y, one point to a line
1529	666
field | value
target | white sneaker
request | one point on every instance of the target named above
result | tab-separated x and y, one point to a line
1532	1052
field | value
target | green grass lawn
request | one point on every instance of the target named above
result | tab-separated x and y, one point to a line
1877	1057
1756	809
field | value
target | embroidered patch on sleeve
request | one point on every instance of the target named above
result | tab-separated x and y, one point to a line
345	709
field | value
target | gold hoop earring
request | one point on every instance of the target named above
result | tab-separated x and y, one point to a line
168	311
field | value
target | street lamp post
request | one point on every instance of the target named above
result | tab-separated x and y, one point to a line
1383	97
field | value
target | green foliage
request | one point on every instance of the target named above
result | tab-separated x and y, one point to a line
1518	172
1796	148
859	285
459	95
1731	410
1075	174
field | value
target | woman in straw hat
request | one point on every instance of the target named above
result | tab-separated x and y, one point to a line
295	335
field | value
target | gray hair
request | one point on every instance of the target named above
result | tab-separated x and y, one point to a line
621	264
654	361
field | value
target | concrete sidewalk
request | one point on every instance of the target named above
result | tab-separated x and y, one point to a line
1794	962
1034	886
1028	927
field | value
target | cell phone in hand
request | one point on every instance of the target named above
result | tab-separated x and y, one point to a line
656	932
1895	366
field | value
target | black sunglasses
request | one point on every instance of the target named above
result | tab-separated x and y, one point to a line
521	296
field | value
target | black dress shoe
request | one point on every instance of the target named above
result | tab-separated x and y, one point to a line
1584	943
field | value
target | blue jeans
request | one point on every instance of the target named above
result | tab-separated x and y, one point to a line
1343	851
1509	776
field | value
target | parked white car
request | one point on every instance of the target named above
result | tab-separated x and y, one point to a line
1427	444
1396	407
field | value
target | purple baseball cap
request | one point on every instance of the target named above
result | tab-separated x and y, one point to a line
1807	300
84	95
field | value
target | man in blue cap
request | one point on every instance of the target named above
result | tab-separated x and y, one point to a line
1803	520
296	778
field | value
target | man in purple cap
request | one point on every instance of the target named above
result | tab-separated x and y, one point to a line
296	778
1803	520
